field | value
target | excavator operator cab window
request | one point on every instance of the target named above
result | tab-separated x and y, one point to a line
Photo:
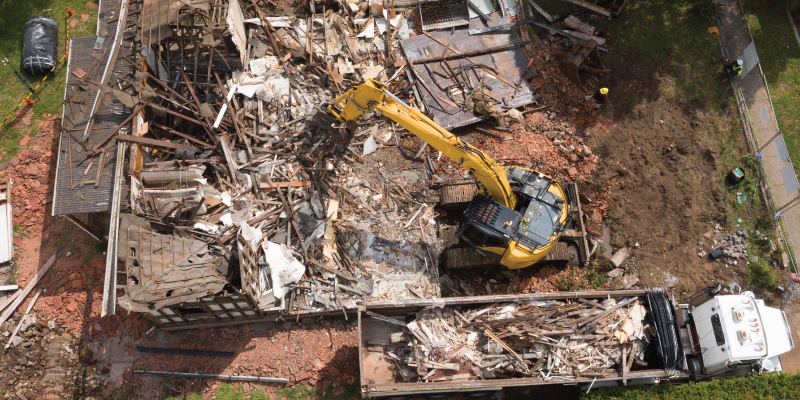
473	235
479	238
496	241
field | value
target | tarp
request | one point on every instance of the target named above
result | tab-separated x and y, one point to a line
39	45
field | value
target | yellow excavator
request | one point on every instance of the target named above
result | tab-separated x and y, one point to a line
517	216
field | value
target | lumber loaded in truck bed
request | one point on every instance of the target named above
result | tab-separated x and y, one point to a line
482	344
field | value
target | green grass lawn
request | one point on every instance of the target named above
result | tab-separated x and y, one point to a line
13	14
779	53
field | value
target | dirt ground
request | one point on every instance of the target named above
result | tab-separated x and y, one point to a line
656	210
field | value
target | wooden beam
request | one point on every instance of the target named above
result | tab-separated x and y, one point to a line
9	300
267	185
503	345
154	142
183	135
30	286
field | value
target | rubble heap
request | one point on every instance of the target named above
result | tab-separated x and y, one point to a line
547	339
238	174
728	247
235	193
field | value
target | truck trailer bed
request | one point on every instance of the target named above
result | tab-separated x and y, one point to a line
465	344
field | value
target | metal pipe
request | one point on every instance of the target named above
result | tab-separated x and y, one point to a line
185	352
190	375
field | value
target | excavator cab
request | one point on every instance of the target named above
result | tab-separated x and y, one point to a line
521	236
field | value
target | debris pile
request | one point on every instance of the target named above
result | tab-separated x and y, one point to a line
546	339
238	175
28	170
729	248
238	188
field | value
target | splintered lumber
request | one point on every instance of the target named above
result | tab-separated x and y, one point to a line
30	286
503	345
624	366
519	339
609	311
270	185
96	149
153	142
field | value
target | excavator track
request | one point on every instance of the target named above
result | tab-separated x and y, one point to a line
468	257
457	195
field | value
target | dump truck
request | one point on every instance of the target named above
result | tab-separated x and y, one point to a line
483	344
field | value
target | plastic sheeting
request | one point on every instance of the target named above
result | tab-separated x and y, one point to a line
39	45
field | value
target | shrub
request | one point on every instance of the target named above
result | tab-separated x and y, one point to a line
761	273
708	9
771	386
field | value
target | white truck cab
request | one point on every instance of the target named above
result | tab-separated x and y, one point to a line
733	335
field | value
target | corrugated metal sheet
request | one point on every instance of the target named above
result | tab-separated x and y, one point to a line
91	198
780	149
156	17
72	195
109	10
510	65
789	179
749	58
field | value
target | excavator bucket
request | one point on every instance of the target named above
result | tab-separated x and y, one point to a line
341	133
583	66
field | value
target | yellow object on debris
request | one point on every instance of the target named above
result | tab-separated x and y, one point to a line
481	103
713	29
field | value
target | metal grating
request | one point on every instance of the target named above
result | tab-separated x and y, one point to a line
483	210
780	149
443	14
457	195
764	113
749	58
491	6
70	197
789	179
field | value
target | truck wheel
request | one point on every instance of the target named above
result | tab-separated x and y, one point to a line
695	368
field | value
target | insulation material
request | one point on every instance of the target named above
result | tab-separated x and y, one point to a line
235	21
285	268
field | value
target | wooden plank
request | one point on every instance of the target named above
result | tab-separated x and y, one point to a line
609	311
503	345
267	185
467	54
30	285
153	142
27	311
624	366
599	10
183	135
9	300
33	301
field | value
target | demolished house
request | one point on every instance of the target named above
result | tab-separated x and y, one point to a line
196	142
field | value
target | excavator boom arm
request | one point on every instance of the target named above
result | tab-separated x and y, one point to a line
373	95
